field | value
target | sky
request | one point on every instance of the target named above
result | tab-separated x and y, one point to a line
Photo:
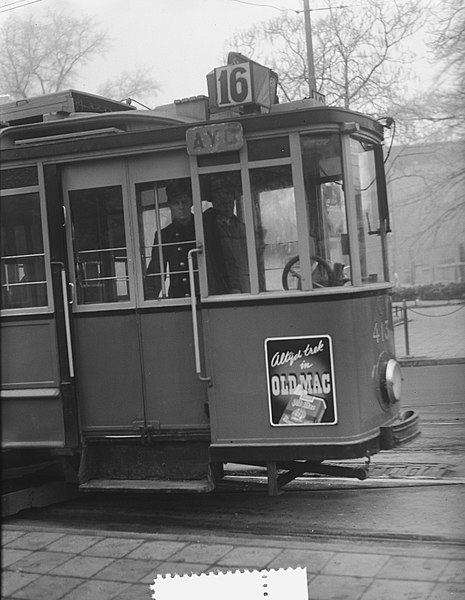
177	41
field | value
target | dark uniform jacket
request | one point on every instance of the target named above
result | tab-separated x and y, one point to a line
177	240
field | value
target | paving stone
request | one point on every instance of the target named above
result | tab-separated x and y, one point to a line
355	564
414	568
82	566
448	591
41	561
249	557
126	569
201	553
454	572
74	543
10	535
35	540
97	590
383	589
13	581
313	560
332	587
172	568
11	555
159	550
48	588
113	547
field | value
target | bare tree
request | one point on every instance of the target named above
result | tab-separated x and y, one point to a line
137	85
39	57
441	111
44	56
360	57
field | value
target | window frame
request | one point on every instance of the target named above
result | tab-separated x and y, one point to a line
150	168
100	174
39	190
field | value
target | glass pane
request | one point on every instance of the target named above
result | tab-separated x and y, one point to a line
22	177
268	148
329	243
221	158
99	245
22	256
225	237
366	199
167	233
275	224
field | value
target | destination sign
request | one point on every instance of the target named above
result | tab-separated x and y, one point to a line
218	137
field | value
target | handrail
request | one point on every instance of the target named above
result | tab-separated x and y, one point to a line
64	287
195	327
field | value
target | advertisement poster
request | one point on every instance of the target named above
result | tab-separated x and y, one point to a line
300	378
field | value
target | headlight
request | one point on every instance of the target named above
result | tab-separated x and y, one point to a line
391	380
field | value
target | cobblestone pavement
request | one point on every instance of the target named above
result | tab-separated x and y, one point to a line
41	563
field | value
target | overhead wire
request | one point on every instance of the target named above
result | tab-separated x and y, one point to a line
19	3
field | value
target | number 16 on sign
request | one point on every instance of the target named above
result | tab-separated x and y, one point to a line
233	85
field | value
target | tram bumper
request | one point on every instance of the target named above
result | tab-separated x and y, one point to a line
402	431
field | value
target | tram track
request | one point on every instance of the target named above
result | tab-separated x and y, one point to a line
229	514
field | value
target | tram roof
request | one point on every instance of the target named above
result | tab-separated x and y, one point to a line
84	132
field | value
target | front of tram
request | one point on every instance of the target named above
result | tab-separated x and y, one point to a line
301	355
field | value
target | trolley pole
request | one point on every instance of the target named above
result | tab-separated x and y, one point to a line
308	37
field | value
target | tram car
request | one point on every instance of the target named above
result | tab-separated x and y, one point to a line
195	285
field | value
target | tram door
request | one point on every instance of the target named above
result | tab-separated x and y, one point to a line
135	368
37	390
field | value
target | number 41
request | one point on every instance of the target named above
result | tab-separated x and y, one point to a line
381	331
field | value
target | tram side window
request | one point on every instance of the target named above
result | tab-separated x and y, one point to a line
366	200
275	223
22	252
99	245
225	237
329	243
167	233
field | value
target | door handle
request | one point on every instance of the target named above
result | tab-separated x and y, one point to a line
195	326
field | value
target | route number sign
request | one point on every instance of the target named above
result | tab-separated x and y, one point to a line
241	84
233	85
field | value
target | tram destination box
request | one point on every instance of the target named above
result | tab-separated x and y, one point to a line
242	84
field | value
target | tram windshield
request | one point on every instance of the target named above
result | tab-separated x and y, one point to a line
367	210
275	223
225	233
326	206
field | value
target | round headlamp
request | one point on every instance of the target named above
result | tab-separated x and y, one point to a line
391	380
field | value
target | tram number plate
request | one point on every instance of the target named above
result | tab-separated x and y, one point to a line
233	85
381	331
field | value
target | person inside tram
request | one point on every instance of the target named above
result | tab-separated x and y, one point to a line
225	238
176	240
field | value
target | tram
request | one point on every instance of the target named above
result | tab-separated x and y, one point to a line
199	284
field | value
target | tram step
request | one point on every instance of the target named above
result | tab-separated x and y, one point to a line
147	485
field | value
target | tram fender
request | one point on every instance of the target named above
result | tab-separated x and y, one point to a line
405	429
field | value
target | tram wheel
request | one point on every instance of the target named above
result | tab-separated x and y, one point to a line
321	273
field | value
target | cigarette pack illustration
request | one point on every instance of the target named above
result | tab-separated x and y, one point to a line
303	409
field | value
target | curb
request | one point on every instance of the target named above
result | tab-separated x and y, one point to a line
411	361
